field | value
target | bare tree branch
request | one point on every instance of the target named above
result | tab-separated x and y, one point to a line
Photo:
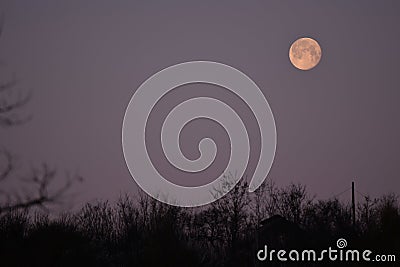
11	100
8	165
42	190
8	85
10	106
44	195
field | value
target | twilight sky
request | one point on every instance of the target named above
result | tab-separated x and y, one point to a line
83	60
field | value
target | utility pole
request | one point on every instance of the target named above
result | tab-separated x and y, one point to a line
353	204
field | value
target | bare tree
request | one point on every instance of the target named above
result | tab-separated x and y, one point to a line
40	181
290	202
229	218
35	189
12	100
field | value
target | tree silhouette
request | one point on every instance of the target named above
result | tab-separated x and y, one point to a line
34	189
141	231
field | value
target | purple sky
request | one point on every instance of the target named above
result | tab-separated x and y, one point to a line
83	60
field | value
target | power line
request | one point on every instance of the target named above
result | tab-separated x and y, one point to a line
344	191
361	194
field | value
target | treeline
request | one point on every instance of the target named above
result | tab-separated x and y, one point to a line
140	231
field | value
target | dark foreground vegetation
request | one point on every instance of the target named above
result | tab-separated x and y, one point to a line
143	232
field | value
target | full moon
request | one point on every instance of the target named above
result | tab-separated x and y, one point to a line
305	53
